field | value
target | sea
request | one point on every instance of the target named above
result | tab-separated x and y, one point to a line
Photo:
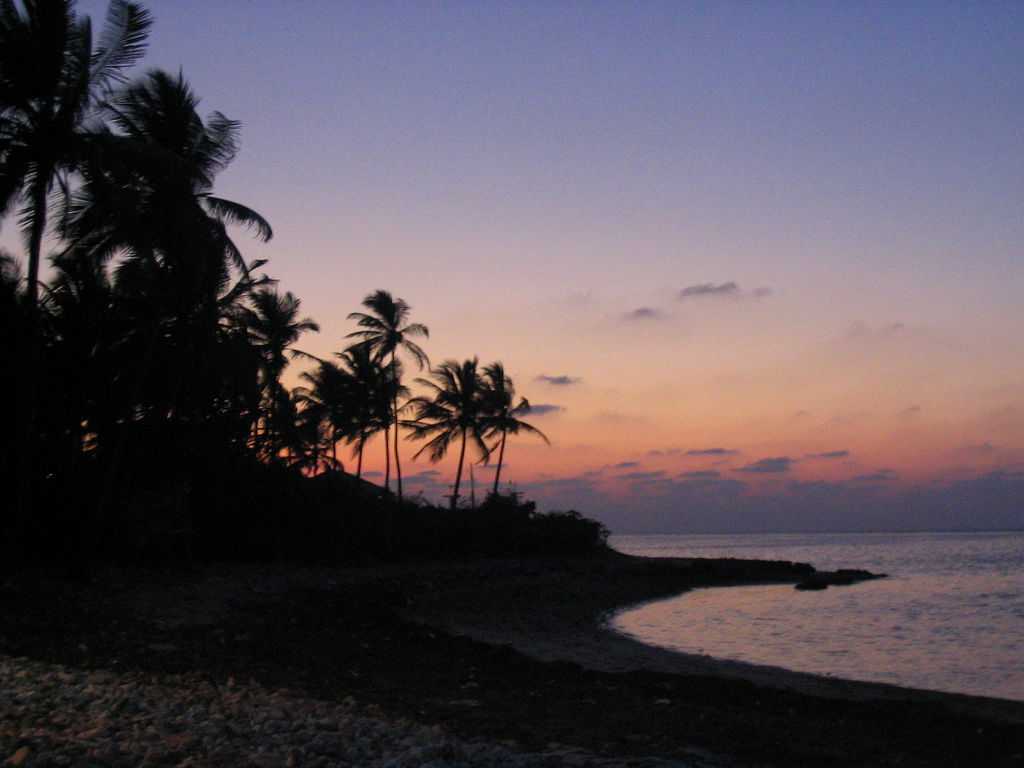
949	617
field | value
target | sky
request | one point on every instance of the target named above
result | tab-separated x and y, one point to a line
758	265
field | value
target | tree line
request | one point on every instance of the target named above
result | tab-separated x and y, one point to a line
146	370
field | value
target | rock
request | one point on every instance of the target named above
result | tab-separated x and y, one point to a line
841	578
19	757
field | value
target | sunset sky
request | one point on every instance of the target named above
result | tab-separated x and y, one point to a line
760	265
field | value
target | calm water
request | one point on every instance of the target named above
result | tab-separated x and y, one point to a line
950	617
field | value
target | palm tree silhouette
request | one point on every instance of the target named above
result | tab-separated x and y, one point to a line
51	79
153	201
327	400
368	400
149	203
456	410
385	332
274	327
502	413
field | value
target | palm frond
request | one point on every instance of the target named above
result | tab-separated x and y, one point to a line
122	43
235	213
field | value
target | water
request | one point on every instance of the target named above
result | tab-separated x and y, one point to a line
950	617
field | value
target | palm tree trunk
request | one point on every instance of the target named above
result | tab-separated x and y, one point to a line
359	462
121	439
35	243
458	473
501	458
387	460
28	404
394	407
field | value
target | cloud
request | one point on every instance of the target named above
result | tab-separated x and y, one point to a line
770	466
828	455
699	502
640	477
881	476
543	409
728	290
664	451
642	314
373	473
911	412
860	330
427	477
712	452
626	465
561	380
979	448
701	474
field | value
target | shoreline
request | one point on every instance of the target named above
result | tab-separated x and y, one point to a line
507	658
817	683
599	646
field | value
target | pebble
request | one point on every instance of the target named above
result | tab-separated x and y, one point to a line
52	715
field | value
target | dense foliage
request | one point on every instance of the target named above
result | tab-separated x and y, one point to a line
144	413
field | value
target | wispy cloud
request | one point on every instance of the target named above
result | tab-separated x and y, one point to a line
828	455
626	465
664	451
880	476
426	476
643	477
862	331
911	412
979	448
769	466
561	380
642	314
712	452
701	474
544	409
728	290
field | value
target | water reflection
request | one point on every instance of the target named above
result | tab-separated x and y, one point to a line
951	617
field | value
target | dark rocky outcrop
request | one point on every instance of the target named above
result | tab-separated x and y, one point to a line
841	578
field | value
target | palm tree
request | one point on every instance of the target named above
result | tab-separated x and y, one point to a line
274	327
385	332
153	201
369	401
456	410
51	79
328	399
503	413
148	202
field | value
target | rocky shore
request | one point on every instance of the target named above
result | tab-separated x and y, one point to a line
66	717
468	664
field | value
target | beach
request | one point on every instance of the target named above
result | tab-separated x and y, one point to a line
496	662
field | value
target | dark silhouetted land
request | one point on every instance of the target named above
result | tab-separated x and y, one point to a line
506	651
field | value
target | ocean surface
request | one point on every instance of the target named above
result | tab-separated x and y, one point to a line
950	617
